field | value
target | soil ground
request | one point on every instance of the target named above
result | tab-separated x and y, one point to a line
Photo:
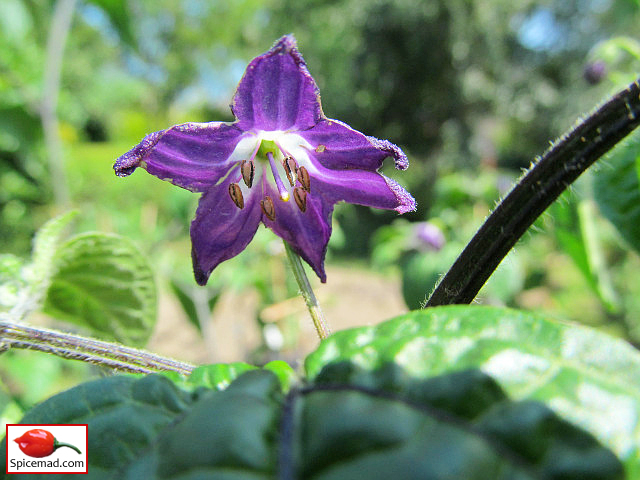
351	297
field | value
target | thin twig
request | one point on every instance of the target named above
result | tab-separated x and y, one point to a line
60	25
307	293
93	351
570	156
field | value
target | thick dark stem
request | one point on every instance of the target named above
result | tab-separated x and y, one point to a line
567	158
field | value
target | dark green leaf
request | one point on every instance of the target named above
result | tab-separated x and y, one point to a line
125	415
103	282
587	377
351	424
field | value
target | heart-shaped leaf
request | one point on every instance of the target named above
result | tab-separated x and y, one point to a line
104	283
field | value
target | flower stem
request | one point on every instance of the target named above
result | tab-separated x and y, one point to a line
563	162
307	293
67	345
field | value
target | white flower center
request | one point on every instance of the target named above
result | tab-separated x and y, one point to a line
277	158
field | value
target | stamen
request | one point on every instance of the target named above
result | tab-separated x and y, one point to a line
290	168
266	204
248	169
236	195
305	181
300	196
284	195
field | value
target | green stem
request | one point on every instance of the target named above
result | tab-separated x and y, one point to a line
57	445
307	293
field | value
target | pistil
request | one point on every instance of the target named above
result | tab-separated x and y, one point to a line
284	194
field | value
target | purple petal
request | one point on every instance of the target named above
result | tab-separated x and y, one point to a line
361	187
340	147
307	232
220	229
277	92
192	155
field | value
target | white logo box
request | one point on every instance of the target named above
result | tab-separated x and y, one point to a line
62	460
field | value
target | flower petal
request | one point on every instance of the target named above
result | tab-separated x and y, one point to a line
220	229
308	233
361	187
277	92
338	146
192	155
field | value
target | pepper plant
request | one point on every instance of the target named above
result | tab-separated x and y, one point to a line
447	391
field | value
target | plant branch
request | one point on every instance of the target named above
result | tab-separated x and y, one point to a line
89	350
60	25
307	293
563	163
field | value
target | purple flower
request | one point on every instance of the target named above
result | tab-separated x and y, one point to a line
282	163
430	236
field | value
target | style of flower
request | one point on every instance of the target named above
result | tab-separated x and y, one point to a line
282	163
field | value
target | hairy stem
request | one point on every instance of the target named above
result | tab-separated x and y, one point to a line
307	293
567	158
76	347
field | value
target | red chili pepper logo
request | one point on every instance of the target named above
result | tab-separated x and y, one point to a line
40	443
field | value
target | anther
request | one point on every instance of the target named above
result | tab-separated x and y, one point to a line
290	168
305	181
266	204
300	196
248	169
236	195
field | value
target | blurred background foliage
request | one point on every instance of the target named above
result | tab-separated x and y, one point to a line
472	90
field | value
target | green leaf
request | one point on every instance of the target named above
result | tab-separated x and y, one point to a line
576	232
197	302
120	17
24	289
11	282
350	424
617	190
45	245
422	270
105	284
217	376
585	376
286	375
125	415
